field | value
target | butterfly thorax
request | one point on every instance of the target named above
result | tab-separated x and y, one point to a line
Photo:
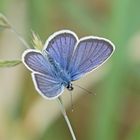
61	74
65	79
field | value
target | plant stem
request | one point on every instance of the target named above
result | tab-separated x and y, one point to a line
21	39
8	25
66	118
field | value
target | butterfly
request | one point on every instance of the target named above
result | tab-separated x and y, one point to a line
64	59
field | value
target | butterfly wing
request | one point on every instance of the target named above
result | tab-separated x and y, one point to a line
61	46
90	53
48	86
46	83
35	61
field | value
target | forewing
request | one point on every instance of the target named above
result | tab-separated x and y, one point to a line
90	53
35	61
48	86
60	46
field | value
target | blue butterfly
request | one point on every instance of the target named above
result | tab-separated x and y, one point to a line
64	59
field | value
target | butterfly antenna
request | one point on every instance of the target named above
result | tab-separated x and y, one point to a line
87	91
72	109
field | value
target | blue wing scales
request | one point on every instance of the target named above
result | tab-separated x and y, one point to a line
61	46
78	59
45	81
48	86
35	61
89	54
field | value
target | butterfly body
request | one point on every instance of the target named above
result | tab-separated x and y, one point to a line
64	59
58	72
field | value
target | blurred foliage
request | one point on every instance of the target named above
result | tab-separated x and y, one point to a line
109	117
3	22
37	43
10	63
112	100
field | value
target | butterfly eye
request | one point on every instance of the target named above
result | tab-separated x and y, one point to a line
70	87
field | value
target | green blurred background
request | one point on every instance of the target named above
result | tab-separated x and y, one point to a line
114	113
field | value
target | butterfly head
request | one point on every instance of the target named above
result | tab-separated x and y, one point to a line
69	86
